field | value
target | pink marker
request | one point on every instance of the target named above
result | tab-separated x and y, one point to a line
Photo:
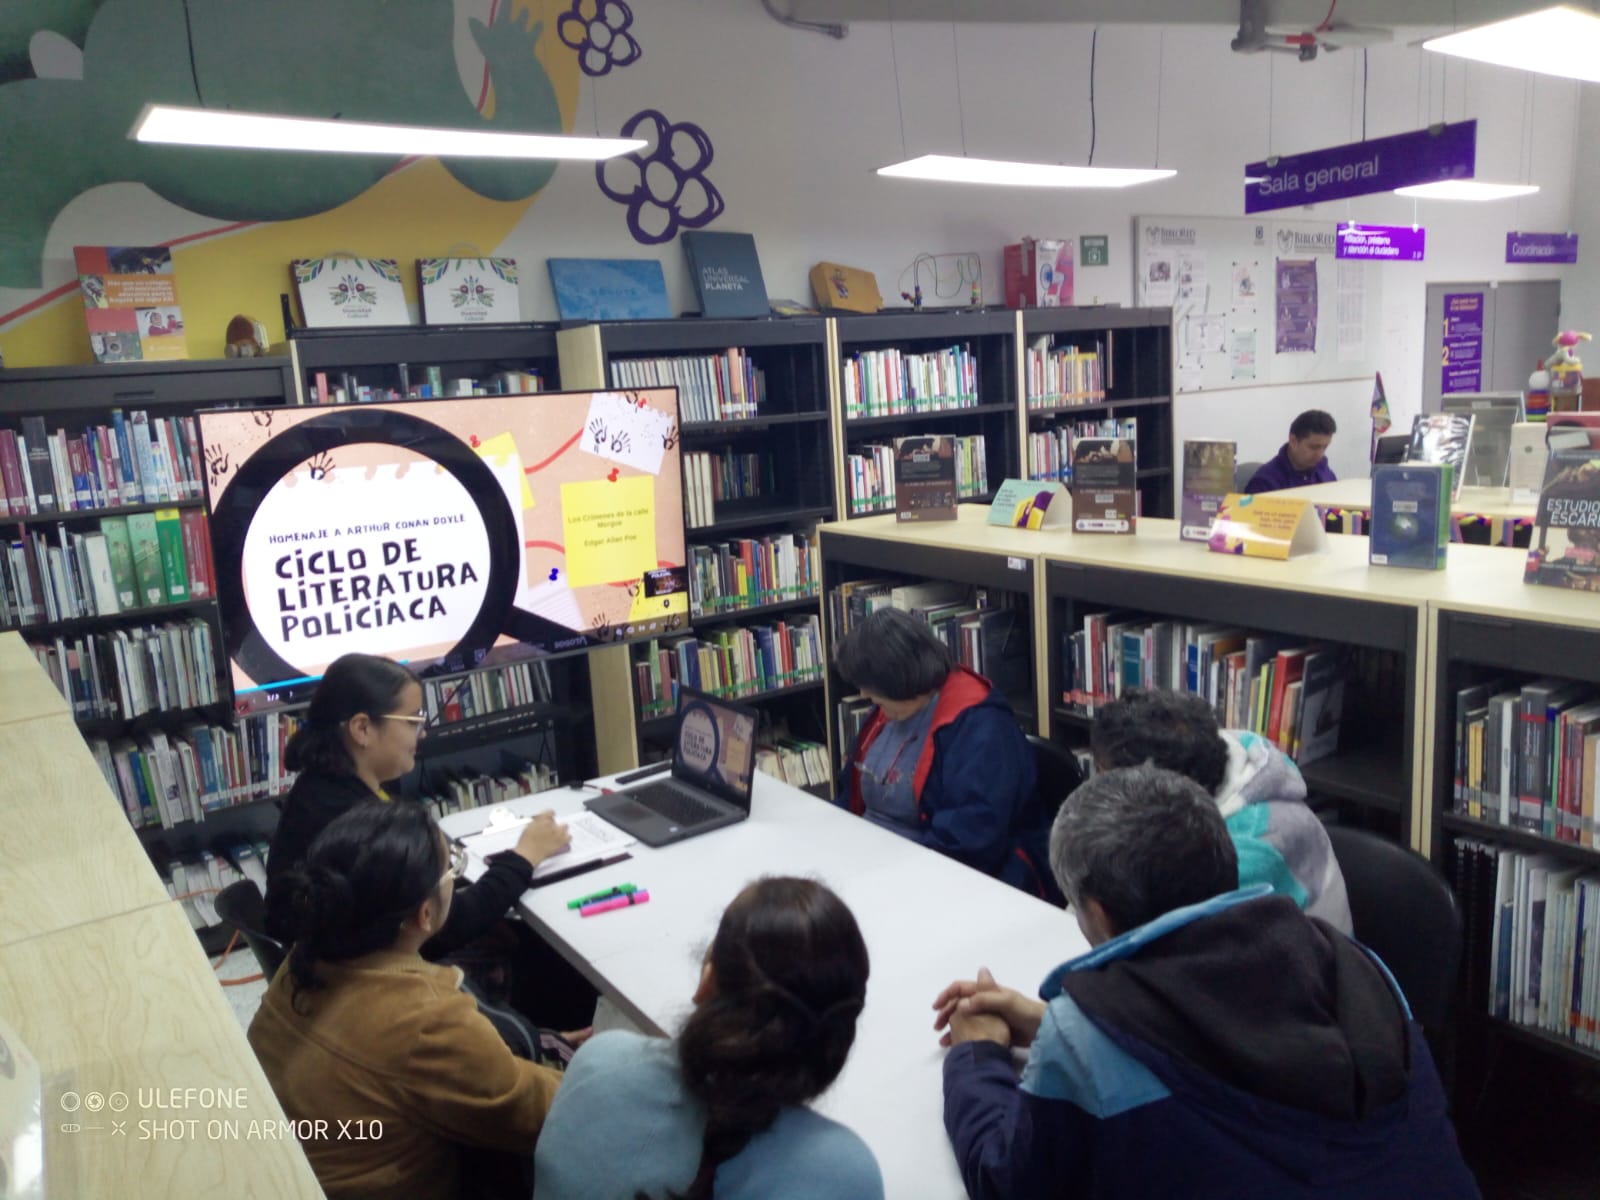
605	906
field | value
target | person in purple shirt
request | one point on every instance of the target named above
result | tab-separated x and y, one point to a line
1303	459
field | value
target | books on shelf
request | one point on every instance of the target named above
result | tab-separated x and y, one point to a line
1410	515
870	474
195	879
482	692
749	572
1208	465
726	273
888	383
1050	450
711	387
713	477
123	674
57	573
1442	438
732	662
1061	376
419	382
450	792
1565	549
794	760
136	459
130	303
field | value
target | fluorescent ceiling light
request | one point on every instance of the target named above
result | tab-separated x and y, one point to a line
261	131
1555	41
1467	189
953	169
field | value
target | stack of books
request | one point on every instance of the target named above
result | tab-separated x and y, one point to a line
714	387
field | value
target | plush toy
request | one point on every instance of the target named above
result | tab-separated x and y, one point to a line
1565	356
246	338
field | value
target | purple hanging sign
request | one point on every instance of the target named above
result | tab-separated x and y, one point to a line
1391	243
1361	168
1541	247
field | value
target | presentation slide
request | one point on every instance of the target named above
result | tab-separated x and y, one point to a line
447	534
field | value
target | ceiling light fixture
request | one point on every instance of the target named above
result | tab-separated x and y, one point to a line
1467	189
950	168
1560	41
172	125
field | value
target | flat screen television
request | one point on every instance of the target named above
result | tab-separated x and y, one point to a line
447	534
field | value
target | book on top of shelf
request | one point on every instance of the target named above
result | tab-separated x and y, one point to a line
350	292
1410	515
1030	504
1267	526
130	303
468	291
726	273
1566	538
1207	478
609	289
1105	485
925	478
1442	437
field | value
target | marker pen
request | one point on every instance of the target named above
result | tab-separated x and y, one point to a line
622	901
608	893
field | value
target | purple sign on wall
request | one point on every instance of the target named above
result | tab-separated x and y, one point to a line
1362	168
1396	243
1463	343
1542	247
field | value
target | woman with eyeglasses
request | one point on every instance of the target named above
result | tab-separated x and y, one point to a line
942	761
389	1070
360	731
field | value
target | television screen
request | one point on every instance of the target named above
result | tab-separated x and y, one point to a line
446	534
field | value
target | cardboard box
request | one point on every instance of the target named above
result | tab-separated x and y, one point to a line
849	288
1038	273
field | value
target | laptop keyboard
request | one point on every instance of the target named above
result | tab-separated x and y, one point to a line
675	806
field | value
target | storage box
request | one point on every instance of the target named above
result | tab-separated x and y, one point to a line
1039	273
850	288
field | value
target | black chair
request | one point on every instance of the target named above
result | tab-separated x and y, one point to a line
1243	473
1058	772
243	906
1402	910
1391	449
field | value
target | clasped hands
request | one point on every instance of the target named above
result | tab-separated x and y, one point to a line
980	1010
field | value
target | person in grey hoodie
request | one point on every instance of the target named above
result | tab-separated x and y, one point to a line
1257	787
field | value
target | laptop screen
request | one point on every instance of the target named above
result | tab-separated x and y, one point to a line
716	746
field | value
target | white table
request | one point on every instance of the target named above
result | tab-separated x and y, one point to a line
926	920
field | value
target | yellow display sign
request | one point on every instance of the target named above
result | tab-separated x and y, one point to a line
609	527
1267	526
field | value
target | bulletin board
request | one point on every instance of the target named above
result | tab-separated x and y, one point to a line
1258	301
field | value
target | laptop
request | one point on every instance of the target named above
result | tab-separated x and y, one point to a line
713	767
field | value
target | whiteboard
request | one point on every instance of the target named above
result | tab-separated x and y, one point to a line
1258	301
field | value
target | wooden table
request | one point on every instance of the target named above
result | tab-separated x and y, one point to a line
25	690
131	1029
1354	498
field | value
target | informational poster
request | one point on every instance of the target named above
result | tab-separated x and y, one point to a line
1463	343
1352	313
1242	354
1246	290
1297	306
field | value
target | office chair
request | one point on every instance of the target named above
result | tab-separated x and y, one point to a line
1243	473
242	906
1057	770
1402	910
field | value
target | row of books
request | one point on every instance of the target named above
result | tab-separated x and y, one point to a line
749	572
793	760
136	459
164	780
346	388
1063	375
741	661
713	476
195	881
492	690
1525	756
124	673
870	473
1291	694
889	383
138	561
711	387
452	792
1532	931
1050	451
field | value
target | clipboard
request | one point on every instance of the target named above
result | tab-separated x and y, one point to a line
594	864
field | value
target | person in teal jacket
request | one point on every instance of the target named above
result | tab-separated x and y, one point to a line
1258	789
721	1110
942	761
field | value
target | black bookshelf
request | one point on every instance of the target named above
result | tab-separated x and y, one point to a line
131	616
373	358
733	616
661	727
95	514
91	390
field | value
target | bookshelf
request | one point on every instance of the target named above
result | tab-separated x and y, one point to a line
1131	379
398	361
756	435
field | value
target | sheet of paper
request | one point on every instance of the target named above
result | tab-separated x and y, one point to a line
634	435
592	838
609	528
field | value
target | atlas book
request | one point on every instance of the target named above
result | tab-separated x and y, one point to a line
925	478
350	292
1410	515
609	289
1566	536
130	303
726	274
1105	485
1442	438
468	291
1207	479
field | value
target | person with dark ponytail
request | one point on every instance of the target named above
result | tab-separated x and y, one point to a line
721	1111
361	731
359	1032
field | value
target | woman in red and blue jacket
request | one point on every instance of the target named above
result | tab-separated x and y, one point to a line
942	761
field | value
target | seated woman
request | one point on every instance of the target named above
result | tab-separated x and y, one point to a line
362	729
721	1111
942	761
357	1027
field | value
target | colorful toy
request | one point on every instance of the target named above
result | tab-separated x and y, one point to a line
1565	358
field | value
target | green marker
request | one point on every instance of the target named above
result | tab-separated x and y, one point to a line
622	889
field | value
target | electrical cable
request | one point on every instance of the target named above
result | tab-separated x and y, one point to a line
1363	94
1161	76
1327	21
838	32
894	61
961	113
1094	42
194	71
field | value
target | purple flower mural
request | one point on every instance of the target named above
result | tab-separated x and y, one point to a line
598	31
664	185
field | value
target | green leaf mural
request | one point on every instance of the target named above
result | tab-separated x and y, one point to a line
360	60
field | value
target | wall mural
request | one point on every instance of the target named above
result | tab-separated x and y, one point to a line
663	186
598	31
380	60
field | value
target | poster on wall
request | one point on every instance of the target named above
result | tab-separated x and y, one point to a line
1462	361
1297	306
130	303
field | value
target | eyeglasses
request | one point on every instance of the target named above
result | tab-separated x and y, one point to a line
416	718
